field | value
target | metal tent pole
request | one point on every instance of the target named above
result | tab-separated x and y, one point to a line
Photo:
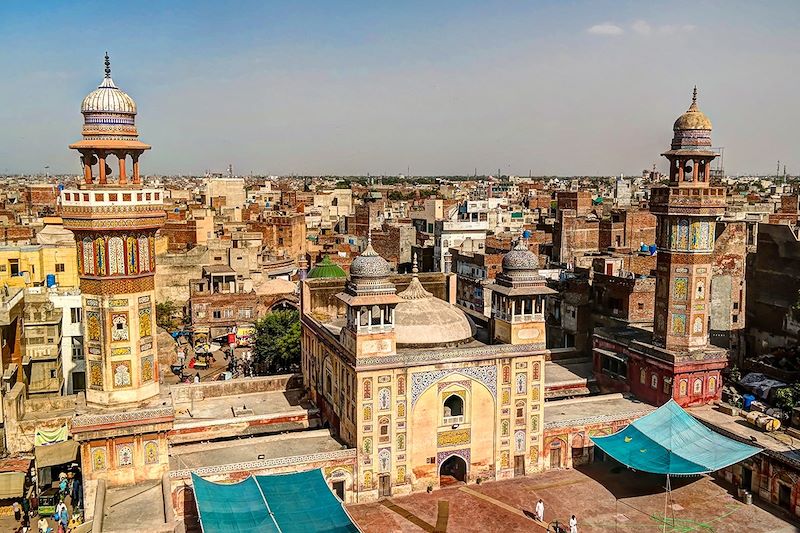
666	505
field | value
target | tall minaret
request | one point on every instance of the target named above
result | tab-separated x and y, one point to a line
115	222
687	210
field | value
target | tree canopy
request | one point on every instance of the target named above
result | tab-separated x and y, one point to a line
165	316
277	348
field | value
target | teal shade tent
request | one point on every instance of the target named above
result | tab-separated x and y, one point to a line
670	441
283	503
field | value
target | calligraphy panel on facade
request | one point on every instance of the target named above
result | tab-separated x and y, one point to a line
453	437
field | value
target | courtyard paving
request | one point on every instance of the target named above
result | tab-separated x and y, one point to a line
603	497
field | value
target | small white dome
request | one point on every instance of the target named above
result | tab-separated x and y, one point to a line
108	98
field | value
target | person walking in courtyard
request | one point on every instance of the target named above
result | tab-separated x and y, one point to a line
540	510
573	525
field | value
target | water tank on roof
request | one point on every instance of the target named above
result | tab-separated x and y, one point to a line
51	280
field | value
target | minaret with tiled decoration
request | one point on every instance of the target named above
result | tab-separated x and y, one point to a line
687	210
115	219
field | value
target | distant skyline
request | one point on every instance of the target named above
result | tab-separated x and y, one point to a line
442	88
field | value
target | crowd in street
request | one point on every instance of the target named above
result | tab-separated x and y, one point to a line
68	508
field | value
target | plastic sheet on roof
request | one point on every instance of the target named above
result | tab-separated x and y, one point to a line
671	441
285	503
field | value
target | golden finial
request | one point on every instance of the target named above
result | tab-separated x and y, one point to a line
108	66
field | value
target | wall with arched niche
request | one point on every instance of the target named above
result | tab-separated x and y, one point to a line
430	437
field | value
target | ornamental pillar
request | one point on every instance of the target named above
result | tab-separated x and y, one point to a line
86	159
136	179
102	164
123	179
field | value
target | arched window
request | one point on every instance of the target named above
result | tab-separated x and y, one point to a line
376	315
453	407
698	386
383	426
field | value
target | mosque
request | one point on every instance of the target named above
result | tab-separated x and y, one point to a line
424	394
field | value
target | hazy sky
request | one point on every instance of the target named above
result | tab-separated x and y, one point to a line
443	87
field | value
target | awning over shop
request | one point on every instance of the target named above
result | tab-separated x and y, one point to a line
56	454
671	441
11	484
285	503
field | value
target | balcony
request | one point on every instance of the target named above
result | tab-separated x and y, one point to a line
452	420
692	197
111	197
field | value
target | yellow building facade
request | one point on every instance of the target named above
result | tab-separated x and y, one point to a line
29	265
425	396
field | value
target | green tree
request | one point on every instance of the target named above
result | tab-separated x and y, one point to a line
165	315
277	348
787	397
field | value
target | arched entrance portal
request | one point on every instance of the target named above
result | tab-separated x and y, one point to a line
453	470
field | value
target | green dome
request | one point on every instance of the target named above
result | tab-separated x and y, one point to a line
326	269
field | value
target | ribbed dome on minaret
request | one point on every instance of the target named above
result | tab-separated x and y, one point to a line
108	111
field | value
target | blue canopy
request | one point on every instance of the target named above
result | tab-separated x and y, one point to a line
284	503
671	441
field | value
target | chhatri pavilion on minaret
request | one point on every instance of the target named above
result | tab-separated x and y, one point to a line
115	219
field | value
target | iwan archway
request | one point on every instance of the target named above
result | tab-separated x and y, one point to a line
452	470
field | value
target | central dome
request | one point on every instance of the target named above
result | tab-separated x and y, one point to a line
422	320
693	118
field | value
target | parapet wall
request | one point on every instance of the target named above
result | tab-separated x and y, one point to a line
188	392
